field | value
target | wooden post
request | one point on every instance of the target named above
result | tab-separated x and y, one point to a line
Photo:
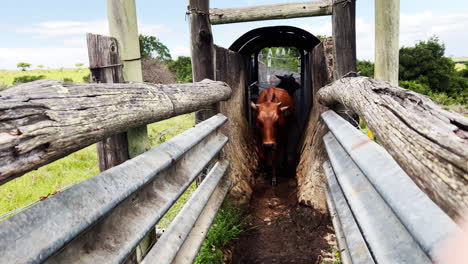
387	28
201	44
123	26
121	15
344	37
105	66
344	48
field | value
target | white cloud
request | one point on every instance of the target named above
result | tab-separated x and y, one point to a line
68	42
71	39
450	28
180	51
53	57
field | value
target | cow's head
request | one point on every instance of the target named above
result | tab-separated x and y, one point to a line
288	82
269	117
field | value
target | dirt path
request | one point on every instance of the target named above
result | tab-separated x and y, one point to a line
284	231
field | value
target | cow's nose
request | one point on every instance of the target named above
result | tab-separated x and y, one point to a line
268	146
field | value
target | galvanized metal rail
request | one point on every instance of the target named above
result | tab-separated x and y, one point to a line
102	219
397	221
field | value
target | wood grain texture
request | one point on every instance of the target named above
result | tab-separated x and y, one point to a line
103	52
429	143
344	47
387	47
201	47
310	175
268	12
45	120
240	150
344	37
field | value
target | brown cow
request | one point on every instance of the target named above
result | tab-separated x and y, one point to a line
271	119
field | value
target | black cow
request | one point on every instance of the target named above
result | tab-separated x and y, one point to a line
288	82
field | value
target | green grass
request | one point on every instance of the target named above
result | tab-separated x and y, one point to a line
77	167
7	76
227	226
460	62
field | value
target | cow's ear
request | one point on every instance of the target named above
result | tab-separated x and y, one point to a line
284	108
279	77
254	106
291	75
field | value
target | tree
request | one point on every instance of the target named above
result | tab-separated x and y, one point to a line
78	65
150	46
365	68
182	68
23	65
426	64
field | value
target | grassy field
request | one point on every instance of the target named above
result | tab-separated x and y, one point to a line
7	76
76	167
460	62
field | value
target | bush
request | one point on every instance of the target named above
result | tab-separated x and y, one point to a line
154	71
66	79
27	78
182	68
415	86
365	68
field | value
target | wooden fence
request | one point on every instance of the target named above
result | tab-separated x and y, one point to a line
102	219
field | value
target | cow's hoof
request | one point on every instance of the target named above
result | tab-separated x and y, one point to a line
274	183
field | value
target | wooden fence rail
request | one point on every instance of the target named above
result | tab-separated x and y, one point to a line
267	12
429	143
45	120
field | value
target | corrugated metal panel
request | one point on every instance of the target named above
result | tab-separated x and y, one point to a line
171	241
423	218
35	234
386	236
347	231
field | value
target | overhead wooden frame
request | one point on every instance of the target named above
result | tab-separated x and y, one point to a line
269	12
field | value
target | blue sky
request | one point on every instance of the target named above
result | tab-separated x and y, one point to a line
52	32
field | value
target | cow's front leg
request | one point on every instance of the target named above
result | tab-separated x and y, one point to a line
274	183
274	168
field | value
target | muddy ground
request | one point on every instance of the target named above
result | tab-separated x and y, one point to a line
282	231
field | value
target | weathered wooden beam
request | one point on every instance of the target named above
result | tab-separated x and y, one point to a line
269	12
201	48
45	120
309	172
387	29
103	52
429	143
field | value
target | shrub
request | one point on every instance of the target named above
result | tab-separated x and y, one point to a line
66	79
27	78
154	71
415	86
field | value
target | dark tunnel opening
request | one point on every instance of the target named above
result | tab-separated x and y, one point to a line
261	46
